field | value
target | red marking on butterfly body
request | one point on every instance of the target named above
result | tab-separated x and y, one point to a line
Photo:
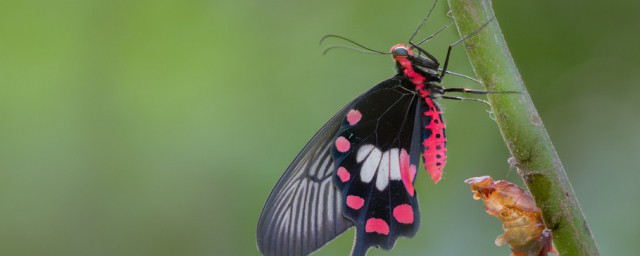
408	71
435	151
434	154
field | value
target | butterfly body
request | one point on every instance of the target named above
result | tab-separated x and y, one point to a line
422	73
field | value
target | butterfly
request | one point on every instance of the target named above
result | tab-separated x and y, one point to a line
359	169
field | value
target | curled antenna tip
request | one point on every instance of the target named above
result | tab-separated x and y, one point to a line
327	36
364	48
325	51
367	51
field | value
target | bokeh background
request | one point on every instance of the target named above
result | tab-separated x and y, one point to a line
159	127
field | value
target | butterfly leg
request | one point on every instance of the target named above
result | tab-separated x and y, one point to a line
472	91
461	75
462	98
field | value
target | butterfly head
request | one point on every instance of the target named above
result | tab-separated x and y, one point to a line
415	66
400	51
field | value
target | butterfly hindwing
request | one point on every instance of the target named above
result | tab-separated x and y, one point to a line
376	153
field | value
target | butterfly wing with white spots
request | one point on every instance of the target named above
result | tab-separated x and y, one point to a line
304	210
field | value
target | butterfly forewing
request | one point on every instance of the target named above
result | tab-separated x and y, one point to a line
376	153
304	210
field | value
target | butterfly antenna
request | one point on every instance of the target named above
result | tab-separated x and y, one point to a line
423	21
363	50
331	47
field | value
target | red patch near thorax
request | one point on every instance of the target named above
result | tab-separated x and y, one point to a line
408	71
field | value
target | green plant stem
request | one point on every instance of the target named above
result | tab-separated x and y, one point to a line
532	152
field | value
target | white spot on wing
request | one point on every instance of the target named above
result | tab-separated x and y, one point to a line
394	164
383	172
370	166
363	152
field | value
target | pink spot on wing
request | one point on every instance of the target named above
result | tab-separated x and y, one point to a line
353	117
342	144
355	202
406	171
343	174
403	213
376	225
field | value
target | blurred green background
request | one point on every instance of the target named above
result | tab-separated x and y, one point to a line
159	127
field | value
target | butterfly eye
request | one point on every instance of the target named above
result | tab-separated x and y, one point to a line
400	51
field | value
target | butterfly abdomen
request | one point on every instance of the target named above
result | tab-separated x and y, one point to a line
434	141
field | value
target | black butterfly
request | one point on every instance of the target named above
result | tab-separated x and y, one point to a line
359	169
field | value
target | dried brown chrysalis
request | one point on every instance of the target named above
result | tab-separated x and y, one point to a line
524	229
